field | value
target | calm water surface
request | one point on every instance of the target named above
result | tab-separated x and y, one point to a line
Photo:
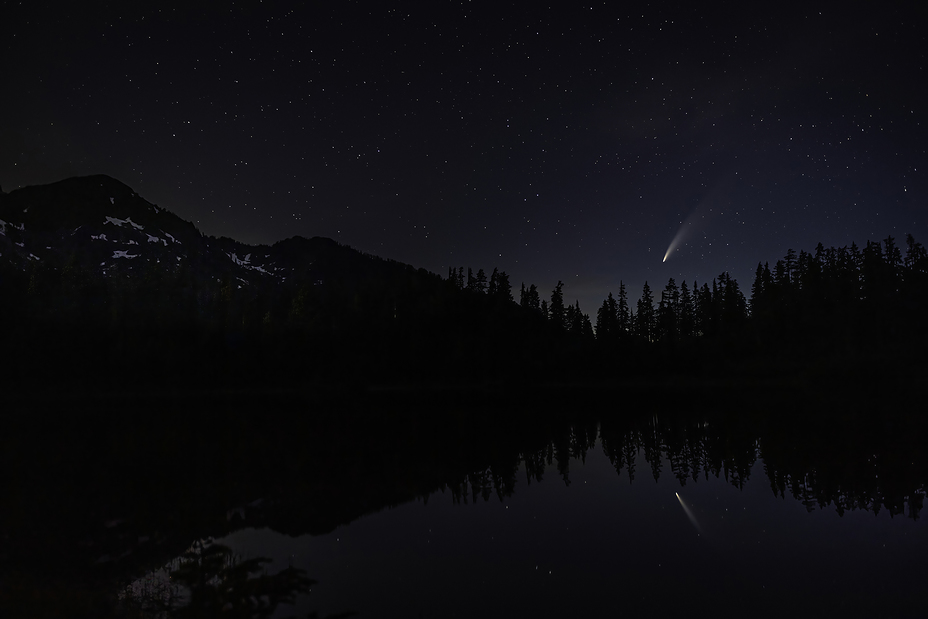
602	542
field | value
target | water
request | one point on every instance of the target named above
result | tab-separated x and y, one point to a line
427	506
577	537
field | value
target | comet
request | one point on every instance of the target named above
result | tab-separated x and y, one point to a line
689	514
681	234
693	222
673	244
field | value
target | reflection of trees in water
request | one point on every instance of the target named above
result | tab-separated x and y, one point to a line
845	467
209	580
177	475
866	462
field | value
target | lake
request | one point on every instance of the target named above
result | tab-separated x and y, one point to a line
565	508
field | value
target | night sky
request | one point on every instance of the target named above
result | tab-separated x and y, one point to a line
570	143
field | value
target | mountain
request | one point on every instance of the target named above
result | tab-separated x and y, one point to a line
101	285
106	228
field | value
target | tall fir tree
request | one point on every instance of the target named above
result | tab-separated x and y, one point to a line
646	317
623	312
556	309
607	318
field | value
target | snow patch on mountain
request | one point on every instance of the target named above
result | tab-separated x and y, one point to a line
98	237
121	222
123	254
170	237
155	239
245	262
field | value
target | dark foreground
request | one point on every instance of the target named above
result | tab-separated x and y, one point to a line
100	490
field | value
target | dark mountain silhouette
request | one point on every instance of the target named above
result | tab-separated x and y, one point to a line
109	291
94	276
103	292
99	224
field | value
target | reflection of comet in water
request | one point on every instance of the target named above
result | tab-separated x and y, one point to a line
689	514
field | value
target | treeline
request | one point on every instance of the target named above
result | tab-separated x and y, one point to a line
831	470
355	318
832	303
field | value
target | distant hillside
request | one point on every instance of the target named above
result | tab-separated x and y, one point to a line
101	225
101	282
103	290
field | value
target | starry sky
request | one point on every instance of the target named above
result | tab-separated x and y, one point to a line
574	143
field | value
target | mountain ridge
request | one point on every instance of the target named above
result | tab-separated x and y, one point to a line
104	287
108	228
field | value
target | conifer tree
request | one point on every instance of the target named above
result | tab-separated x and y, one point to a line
893	258
607	318
480	282
503	287
789	264
645	322
492	288
732	305
916	257
576	320
668	312
586	328
703	310
556	309
572	319
758	290
534	300
623	313
687	311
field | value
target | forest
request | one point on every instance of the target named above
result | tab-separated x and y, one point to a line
382	322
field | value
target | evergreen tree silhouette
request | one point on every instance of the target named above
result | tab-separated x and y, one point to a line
503	290
623	313
646	318
492	287
556	310
668	311
687	312
534	300
916	257
480	282
607	318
